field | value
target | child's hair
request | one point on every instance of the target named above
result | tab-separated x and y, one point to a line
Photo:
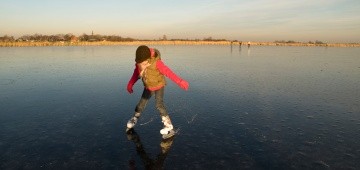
142	53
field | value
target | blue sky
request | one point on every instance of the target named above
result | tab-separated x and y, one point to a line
243	20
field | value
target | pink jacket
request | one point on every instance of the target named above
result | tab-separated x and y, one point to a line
163	70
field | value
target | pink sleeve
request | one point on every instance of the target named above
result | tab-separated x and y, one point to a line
167	72
134	78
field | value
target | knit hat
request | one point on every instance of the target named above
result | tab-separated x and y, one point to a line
142	53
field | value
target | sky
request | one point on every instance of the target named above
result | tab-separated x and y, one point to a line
242	20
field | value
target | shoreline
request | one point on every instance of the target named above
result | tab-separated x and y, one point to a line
109	43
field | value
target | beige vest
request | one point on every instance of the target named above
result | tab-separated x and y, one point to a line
152	76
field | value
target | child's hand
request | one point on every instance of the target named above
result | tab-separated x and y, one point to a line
184	84
130	88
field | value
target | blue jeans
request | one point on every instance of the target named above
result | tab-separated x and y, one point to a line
146	95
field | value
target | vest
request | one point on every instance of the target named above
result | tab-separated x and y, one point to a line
152	77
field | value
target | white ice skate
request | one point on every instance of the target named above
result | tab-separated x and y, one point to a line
168	130
132	122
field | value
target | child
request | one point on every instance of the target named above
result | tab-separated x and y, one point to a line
151	70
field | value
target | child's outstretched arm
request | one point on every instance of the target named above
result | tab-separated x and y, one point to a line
134	78
171	75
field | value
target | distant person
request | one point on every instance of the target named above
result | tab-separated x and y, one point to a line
240	43
150	68
248	44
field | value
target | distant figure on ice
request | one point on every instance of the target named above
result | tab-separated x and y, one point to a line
248	44
150	68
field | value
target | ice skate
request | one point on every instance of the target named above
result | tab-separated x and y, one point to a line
168	130
132	122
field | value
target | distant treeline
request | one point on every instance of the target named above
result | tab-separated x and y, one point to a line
112	38
64	37
291	41
97	39
88	38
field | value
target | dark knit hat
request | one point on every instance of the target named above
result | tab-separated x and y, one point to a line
142	53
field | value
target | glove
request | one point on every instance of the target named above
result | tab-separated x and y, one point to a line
184	84
130	88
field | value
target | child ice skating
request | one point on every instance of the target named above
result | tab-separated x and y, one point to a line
152	71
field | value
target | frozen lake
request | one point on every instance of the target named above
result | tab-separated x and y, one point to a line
246	108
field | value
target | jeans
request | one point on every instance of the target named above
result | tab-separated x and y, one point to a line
146	95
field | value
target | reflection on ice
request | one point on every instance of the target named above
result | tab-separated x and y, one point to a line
149	163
